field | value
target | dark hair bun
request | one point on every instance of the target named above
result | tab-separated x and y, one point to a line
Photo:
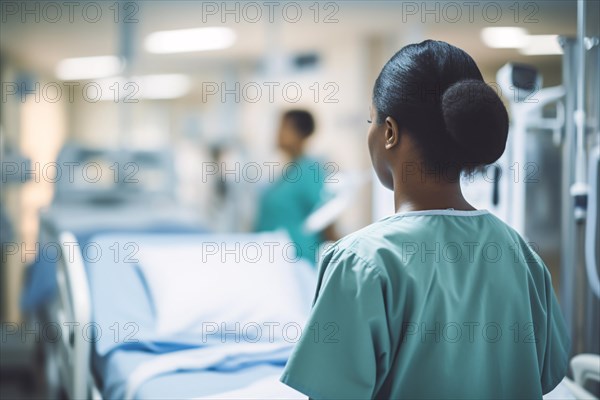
477	120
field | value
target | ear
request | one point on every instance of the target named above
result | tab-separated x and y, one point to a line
392	133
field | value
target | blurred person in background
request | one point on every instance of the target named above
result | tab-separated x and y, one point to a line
287	203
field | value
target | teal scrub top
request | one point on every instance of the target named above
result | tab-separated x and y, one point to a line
431	304
288	202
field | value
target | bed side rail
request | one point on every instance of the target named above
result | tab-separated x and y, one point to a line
74	316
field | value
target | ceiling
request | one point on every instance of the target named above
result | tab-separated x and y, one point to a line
40	45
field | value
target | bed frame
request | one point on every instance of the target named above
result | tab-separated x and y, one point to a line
72	355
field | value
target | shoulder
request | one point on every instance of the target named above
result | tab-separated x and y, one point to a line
305	163
382	236
305	170
360	253
524	254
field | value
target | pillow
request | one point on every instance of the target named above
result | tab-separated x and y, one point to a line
245	284
121	308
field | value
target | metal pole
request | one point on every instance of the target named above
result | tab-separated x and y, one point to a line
568	254
579	189
126	52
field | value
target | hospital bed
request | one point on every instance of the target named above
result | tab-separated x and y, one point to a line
138	326
84	222
104	191
100	190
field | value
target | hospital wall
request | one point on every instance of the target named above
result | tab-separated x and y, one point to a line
38	127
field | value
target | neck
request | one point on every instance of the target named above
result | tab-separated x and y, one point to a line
428	192
294	154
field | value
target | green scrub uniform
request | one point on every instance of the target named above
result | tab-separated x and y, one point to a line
431	304
290	200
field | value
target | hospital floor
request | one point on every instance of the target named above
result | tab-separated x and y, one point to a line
21	369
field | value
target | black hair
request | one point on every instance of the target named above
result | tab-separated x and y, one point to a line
302	121
436	91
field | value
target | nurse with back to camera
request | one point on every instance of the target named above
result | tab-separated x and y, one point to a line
439	300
